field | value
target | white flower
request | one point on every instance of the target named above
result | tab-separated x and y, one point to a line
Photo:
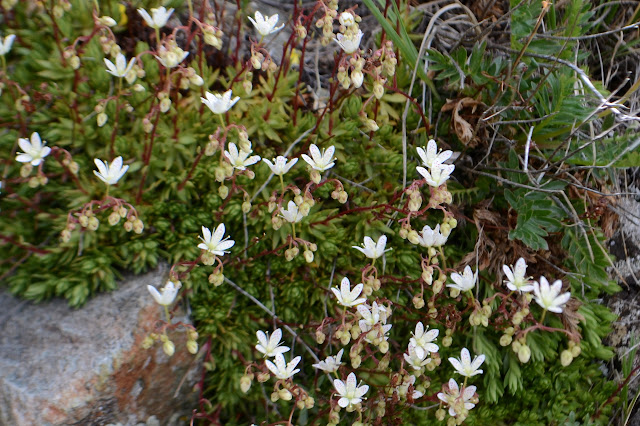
6	43
465	366
438	175
431	155
371	317
416	359
292	213
549	297
456	401
373	250
110	173
34	150
121	68
464	282
159	17
172	56
403	389
281	369
516	277
280	166
431	237
421	340
218	103
346	296
320	161
349	43
214	243
270	346
239	160
347	19
331	364
265	25
167	294
350	393
357	77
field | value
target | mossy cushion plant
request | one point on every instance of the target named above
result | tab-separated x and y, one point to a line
343	258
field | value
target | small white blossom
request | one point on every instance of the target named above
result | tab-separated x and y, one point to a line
218	103
214	243
349	391
430	154
422	339
280	166
465	366
403	389
270	346
416	359
265	25
320	161
357	77
439	173
240	160
110	173
373	250
292	214
158	18
549	297
464	282
349	43
331	364
346	296
347	19
120	68
281	369
6	43
167	294
172	56
431	237
516	277
372	317
107	21
34	150
456	401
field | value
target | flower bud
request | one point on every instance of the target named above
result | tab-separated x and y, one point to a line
148	342
566	357
114	218
413	237
356	361
384	346
418	302
263	377
138	88
524	354
245	383
343	197
285	395
447	341
65	236
165	104
505	340
378	90
247	86
101	119
147	126
223	191
575	351
128	226
440	414
308	256
275	397
357	78
94	223
138	226
168	347
74	62
216	279
192	347
246	207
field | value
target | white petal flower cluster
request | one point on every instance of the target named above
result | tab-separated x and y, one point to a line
349	42
120	68
281	369
373	250
549	297
455	400
270	346
219	104
320	161
331	363
438	172
422	340
214	243
431	237
240	160
167	294
280	165
34	150
158	18
465	366
349	391
110	173
464	282
416	360
374	322
346	296
517	279
265	25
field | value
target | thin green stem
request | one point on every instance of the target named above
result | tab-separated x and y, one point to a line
465	384
4	64
282	184
190	8
293	227
106	194
157	38
166	312
544	314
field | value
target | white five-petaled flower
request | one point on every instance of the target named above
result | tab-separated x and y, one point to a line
120	68
280	166
349	391
430	154
465	366
349	43
347	19
331	364
346	296
218	103
431	237
516	277
374	316
292	214
416	359
214	243
438	174
281	369
464	282
549	297
110	173
6	43
373	250
456	401
422	339
270	346
320	161
34	150
265	25
158	18
240	160
167	294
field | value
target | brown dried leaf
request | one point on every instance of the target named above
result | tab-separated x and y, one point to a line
463	129
571	318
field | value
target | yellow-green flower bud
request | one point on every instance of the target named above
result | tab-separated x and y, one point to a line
169	348
245	383
505	340
524	354
566	357
192	347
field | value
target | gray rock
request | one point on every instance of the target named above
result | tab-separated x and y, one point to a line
62	366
